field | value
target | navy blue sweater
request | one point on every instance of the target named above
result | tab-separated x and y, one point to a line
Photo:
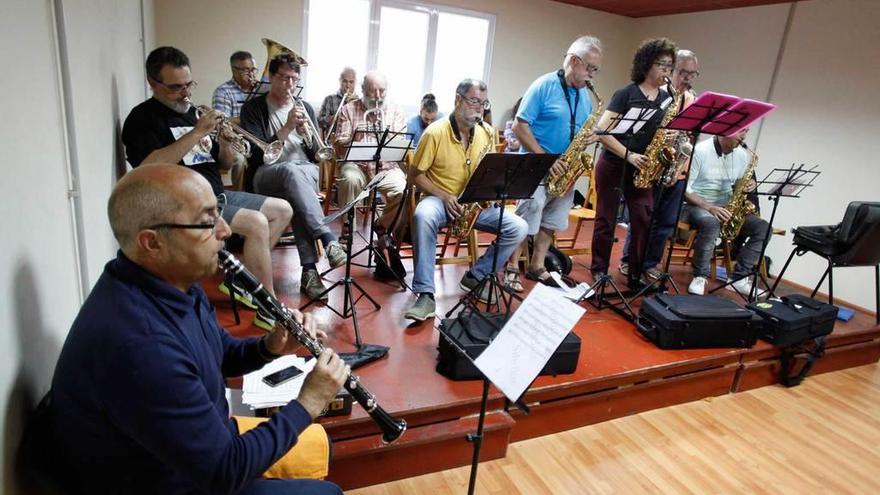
138	402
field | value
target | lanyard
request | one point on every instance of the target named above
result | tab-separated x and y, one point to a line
572	109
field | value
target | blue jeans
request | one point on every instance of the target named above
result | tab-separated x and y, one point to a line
430	215
291	487
664	223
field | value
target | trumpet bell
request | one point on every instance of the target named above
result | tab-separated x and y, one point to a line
273	49
273	152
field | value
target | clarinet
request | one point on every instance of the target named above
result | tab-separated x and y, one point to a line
392	428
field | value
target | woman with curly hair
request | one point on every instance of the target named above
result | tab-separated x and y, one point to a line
623	154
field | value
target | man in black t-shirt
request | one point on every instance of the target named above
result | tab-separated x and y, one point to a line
165	129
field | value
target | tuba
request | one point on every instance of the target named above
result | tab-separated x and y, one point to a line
463	224
661	153
739	205
578	160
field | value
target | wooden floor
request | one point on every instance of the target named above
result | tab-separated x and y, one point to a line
820	437
619	374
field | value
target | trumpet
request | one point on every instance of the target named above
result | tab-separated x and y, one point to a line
311	135
380	117
240	139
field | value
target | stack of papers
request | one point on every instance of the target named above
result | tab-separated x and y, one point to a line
256	394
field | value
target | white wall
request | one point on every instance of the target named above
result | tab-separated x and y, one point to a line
42	285
827	106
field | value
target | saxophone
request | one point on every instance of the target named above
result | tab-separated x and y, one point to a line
463	224
578	160
739	205
660	152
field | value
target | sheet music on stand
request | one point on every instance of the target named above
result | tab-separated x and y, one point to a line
788	182
718	113
631	122
394	147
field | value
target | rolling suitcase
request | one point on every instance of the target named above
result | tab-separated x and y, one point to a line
690	322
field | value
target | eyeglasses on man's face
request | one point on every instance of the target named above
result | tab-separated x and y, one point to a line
245	70
212	226
592	69
476	102
689	73
177	88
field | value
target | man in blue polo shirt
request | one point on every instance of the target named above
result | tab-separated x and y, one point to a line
551	113
138	400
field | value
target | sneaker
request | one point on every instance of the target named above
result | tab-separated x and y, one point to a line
240	295
468	282
312	285
653	273
623	268
336	254
422	309
264	321
697	286
744	287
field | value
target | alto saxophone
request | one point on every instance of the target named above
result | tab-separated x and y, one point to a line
660	152
461	227
739	205
579	161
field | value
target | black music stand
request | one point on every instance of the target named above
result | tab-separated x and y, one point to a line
499	177
390	146
628	124
780	182
364	353
477	438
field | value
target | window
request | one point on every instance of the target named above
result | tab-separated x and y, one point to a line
421	48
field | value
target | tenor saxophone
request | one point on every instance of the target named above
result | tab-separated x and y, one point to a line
575	157
660	152
463	224
739	205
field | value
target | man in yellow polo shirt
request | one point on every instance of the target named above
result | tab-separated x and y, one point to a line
447	155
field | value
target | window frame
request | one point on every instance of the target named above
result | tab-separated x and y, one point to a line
433	11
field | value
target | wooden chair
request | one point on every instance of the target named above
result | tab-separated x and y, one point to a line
587	213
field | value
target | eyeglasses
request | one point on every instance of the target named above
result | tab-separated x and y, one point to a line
592	69
476	102
689	73
177	88
291	79
245	70
221	203
665	65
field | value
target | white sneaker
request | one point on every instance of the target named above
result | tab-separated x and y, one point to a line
697	286
744	287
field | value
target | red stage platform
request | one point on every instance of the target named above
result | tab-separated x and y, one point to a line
618	374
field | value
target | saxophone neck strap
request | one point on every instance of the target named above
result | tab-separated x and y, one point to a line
571	108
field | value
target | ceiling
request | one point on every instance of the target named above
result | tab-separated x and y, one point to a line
648	8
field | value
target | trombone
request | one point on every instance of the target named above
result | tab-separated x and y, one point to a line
311	135
241	139
346	98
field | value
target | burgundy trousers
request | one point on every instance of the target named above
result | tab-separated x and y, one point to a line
639	201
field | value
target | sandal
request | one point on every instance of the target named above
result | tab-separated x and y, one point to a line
512	280
538	276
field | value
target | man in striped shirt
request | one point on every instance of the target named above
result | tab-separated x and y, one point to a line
230	96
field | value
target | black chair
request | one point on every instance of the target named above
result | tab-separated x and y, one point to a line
855	241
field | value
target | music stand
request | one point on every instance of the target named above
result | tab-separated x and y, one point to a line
780	182
477	438
625	125
499	177
364	353
390	146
